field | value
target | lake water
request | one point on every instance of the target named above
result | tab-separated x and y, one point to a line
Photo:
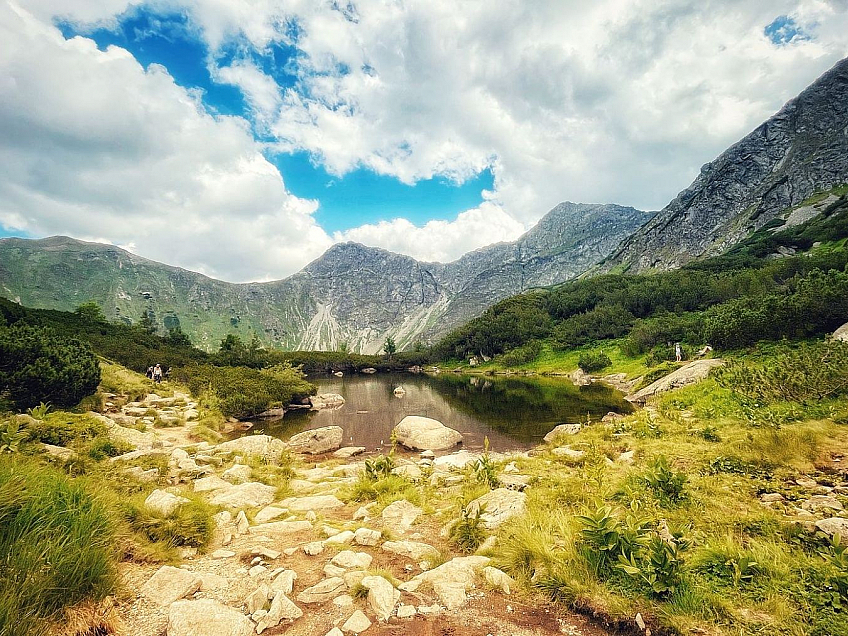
513	412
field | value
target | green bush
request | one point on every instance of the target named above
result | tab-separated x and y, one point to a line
592	361
37	366
191	525
57	547
668	484
467	534
522	355
810	372
601	323
60	428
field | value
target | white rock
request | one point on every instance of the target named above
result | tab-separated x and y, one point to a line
284	582
349	451
343	601
498	579
313	549
269	513
242	524
834	526
400	515
382	596
498	506
326	401
360	514
366	536
169	584
322	591
317	502
335	632
223	554
452	580
281	609
818	503
340	539
206	617
331	570
570	453
349	559
264	446
455	461
210	483
357	623
257	599
406	611
163	502
257	571
316	441
237	474
249	495
424	433
411	549
562	430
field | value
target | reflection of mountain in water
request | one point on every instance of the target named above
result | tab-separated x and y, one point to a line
514	413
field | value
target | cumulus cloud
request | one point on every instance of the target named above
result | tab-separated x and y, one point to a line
611	101
95	146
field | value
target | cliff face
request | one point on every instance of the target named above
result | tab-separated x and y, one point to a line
801	150
352	294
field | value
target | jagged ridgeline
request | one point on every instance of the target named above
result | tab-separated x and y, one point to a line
781	282
352	297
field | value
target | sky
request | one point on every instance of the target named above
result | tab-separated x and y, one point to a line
242	138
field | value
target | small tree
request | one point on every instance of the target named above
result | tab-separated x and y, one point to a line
389	347
177	337
90	312
147	323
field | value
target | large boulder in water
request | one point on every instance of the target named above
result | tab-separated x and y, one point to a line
326	401
268	448
423	433
687	374
317	441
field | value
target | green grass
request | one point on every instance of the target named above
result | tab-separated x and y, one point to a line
57	546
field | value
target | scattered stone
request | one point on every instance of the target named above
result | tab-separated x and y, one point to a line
498	579
329	531
834	526
562	430
317	502
488	544
163	502
452	580
59	452
210	483
627	457
455	461
281	527
345	600
223	554
319	440
409	471
411	549
424	433
335	632
284	582
640	622
313	549
771	497
819	503
144	476
514	482
169	584
213	582
382	596
333	570
250	495
361	514
222	519
242	524
570	453
339	539
806	482
352	560
357	623
206	617
257	571
367	537
281	609
237	474
349	451
400	515
266	553
269	513
612	416
498	506
427	454
268	448
322	591
257	599
405	611
841	333
430	610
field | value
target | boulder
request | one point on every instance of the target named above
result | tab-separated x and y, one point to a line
163	502
317	502
562	430
322	591
256	600
366	536
452	580
579	377
400	515
834	526
349	451
411	549
124	435
456	461
210	483
326	401
819	503
169	584
351	560
382	596
281	609
59	452
317	441
284	582
343	537
690	373
357	623
841	333
206	617
269	513
568	452
250	495
498	579
423	433
237	474
498	506
268	448
281	527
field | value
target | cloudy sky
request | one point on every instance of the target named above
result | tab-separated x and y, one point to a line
242	138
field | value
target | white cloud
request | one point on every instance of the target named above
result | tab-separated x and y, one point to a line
610	101
94	146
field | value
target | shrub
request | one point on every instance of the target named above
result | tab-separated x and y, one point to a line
56	547
658	566
601	323
591	361
190	525
467	534
522	355
38	366
608	538
811	372
668	485
61	428
11	436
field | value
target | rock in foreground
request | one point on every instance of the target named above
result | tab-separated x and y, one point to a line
423	433
206	618
317	441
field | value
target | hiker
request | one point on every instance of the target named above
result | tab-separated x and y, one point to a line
150	373
678	352
157	374
168	373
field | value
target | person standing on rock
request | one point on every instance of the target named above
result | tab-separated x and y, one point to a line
157	374
678	352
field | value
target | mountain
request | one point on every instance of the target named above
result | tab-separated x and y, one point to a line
352	294
800	151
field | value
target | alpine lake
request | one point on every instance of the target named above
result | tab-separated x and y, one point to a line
512	412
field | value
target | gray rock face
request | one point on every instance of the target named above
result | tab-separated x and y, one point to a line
424	433
801	150
330	301
687	374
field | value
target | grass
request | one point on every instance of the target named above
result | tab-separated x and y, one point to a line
190	525
119	380
57	546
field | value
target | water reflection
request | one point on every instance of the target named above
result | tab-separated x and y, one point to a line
512	412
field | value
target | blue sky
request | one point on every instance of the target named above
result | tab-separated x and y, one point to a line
353	199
